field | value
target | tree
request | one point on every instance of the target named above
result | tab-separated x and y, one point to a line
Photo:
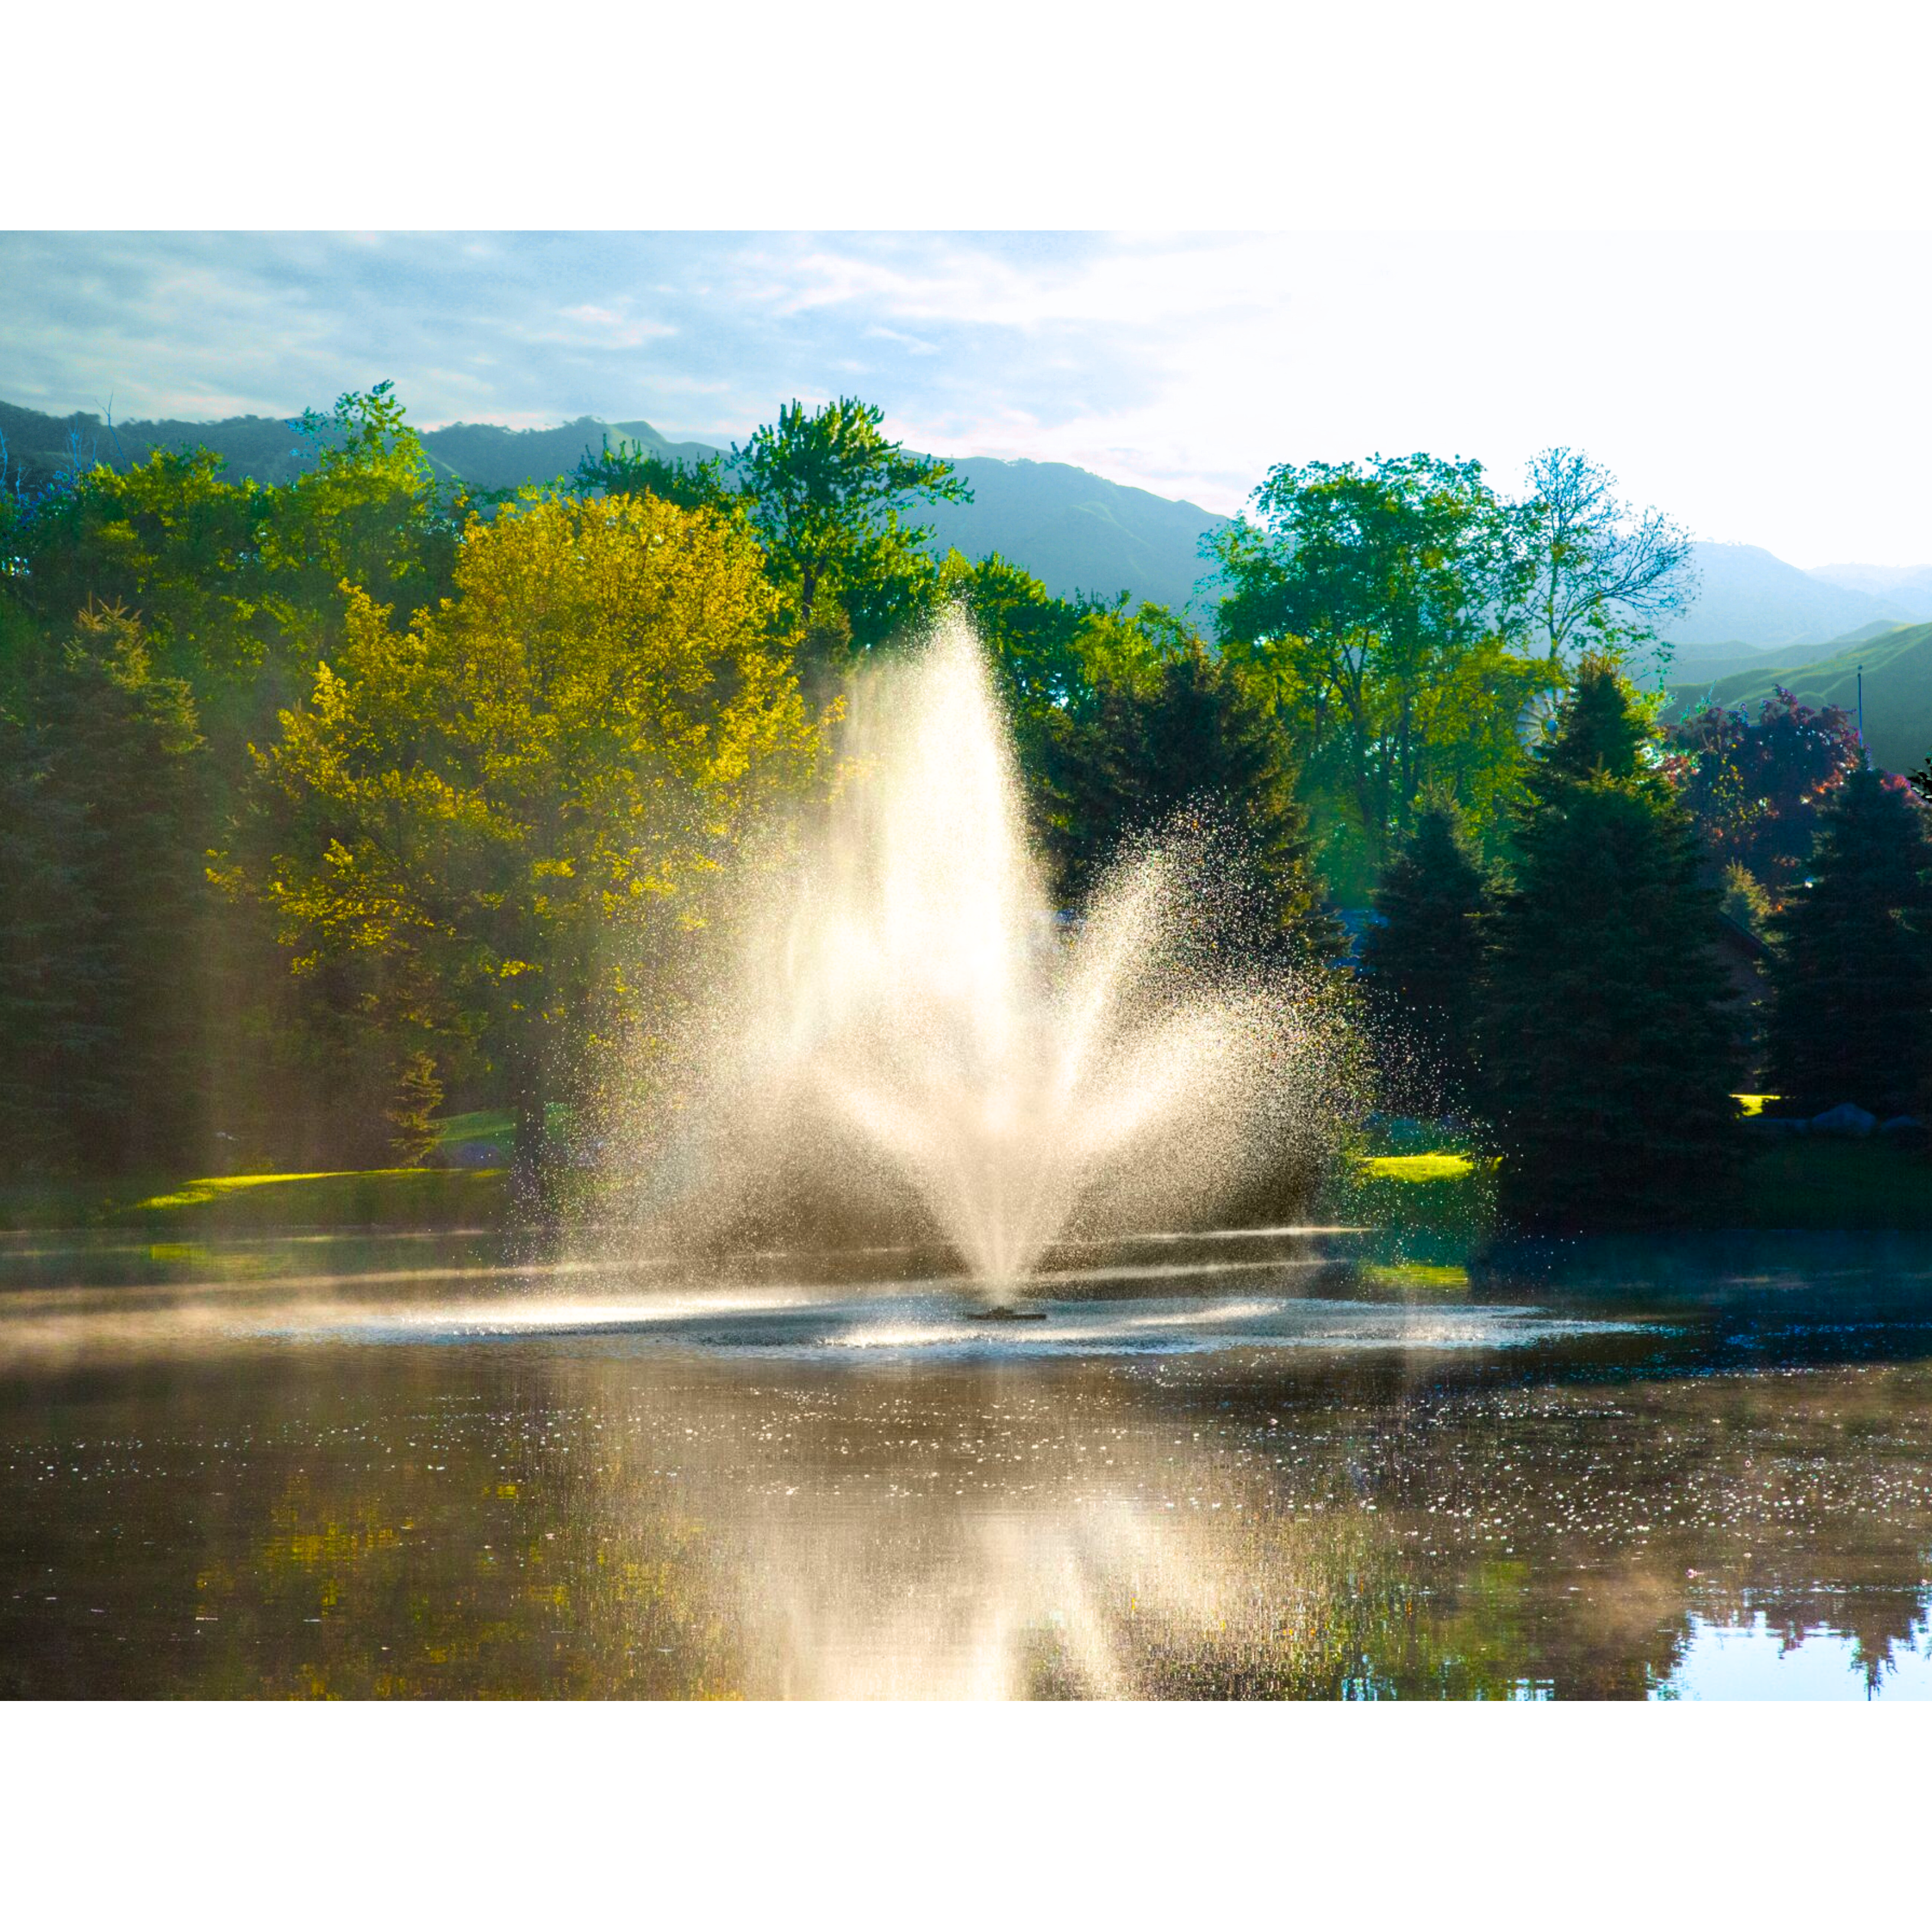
825	492
1606	1039
513	806
239	590
1370	595
102	898
1598	576
1756	789
630	470
1187	734
1851	973
1421	963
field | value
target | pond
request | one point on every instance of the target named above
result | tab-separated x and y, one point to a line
1267	1466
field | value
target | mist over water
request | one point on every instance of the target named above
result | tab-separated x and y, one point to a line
914	1027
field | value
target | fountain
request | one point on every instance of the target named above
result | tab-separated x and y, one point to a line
911	1019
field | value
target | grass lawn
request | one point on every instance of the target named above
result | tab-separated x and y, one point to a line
396	1197
384	1197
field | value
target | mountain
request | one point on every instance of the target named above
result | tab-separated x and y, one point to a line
1898	667
1705	664
1074	530
1751	598
1904	584
492	458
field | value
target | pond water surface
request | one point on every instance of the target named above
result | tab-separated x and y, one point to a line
1249	1468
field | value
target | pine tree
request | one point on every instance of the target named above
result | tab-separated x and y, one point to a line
105	929
100	886
1420	965
1608	1048
1186	737
1852	967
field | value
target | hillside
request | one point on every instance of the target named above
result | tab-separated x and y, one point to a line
1706	665
1751	598
1075	531
1898	691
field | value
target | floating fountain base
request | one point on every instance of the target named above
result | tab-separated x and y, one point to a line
1007	1311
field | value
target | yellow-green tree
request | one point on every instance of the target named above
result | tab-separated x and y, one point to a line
513	806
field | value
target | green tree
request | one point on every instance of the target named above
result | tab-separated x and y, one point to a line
1371	596
1421	963
827	493
103	903
514	806
1186	734
630	470
1607	1046
1597	575
1851	973
240	590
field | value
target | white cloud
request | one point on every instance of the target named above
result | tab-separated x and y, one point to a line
1762	387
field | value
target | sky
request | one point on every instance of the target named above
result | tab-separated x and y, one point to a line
1761	387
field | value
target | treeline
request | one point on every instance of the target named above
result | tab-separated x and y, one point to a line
329	803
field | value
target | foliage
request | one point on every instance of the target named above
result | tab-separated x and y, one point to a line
103	820
1370	597
1421	963
1184	735
631	470
1745	902
1607	1049
513	805
240	590
1597	576
1851	1015
1756	789
1893	672
825	492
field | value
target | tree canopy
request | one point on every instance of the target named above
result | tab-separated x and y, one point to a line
1186	732
1756	787
1373	597
1421	962
1596	574
827	493
513	803
1605	1034
1851	1016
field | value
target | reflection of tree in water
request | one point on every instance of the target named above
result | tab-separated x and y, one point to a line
512	1522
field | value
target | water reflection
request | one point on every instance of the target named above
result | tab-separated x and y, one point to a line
1420	1498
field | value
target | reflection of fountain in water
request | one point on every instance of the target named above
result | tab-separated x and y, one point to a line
951	1541
915	1016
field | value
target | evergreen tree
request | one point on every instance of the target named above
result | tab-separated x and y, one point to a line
1421	964
1186	736
102	895
1608	1050
1852	968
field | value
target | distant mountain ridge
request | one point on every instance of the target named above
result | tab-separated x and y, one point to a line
1897	582
1074	530
1752	598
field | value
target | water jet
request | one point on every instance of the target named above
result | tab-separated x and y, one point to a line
916	1028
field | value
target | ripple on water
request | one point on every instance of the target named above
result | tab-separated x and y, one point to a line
940	1325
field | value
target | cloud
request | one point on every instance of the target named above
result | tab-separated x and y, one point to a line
1762	388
